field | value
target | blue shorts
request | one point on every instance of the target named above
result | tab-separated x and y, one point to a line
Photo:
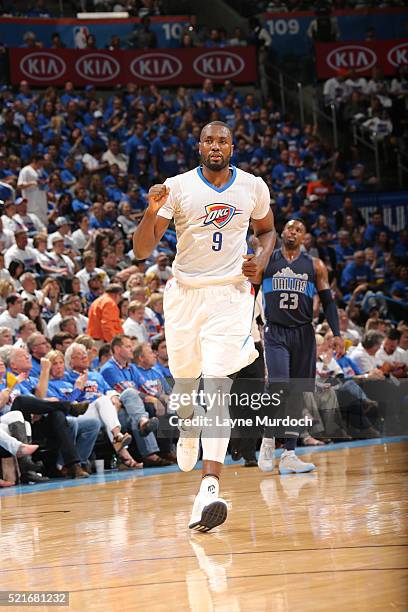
290	353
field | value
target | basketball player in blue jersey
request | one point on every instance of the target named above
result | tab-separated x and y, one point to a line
289	283
208	304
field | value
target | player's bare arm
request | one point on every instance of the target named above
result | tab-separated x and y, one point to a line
255	264
150	230
329	307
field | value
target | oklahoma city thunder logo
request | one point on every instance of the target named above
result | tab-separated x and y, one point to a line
219	214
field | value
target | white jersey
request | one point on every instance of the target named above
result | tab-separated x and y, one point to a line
212	223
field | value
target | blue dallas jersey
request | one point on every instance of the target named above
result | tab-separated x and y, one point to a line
95	386
288	288
117	377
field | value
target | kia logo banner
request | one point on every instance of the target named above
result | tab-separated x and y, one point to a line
107	68
361	57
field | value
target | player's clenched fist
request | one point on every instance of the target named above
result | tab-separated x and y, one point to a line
157	196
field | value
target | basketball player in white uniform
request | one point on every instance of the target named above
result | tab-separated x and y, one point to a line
208	304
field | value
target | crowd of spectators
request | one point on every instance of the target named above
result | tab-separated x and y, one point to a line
377	106
81	320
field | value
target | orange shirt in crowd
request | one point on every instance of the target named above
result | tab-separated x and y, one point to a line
104	319
317	188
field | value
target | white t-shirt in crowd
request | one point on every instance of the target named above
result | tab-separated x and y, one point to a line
84	277
134	329
13	323
398	356
36	197
361	358
162	274
28	256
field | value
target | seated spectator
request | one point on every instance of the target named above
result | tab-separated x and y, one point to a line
26	330
392	354
82	236
113	156
90	269
153	318
61	341
13	317
161	268
356	272
38	346
363	355
134	326
21	251
159	347
28	220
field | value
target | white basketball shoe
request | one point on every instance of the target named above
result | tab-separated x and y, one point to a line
291	464
266	459
208	512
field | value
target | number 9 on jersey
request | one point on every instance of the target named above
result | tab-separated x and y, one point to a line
217	241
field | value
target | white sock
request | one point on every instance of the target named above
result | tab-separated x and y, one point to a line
215	439
210	486
184	388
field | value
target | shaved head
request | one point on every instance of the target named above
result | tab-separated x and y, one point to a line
213	124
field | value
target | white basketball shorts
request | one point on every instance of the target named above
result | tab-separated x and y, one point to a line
208	329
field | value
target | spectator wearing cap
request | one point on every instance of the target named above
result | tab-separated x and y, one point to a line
161	268
64	265
32	183
104	315
65	310
13	316
90	269
114	156
63	225
29	220
21	252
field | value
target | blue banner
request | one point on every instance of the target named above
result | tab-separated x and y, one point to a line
73	32
289	30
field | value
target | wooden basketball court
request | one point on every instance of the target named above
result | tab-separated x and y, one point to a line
334	539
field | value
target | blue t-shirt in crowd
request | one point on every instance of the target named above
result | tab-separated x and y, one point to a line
118	378
94	387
